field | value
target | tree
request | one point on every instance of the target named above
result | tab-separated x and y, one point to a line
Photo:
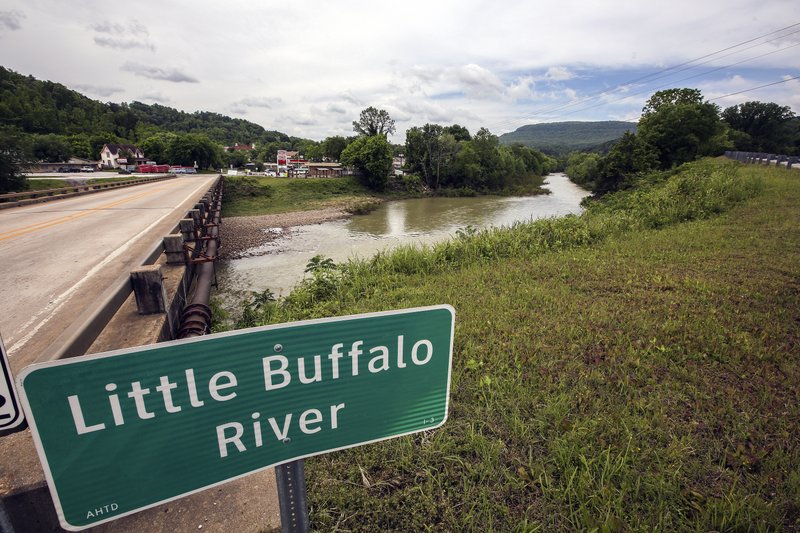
236	158
190	148
534	160
583	168
80	146
156	147
14	160
372	158
309	149
269	152
681	126
671	97
460	133
51	148
422	145
760	127
628	160
332	147
374	122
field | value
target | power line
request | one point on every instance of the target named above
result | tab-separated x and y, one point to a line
678	81
753	88
725	50
636	80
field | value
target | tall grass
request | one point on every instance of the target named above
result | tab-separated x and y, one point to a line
643	378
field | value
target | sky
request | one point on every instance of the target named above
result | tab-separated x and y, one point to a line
308	67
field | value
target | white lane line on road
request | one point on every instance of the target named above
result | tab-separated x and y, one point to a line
54	306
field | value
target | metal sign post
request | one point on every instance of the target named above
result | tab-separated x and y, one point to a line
12	419
292	497
124	431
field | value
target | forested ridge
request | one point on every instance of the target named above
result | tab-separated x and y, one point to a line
562	137
33	107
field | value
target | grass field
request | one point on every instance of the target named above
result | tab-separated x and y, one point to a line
633	369
263	195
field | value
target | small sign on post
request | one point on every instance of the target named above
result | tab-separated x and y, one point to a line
127	430
12	418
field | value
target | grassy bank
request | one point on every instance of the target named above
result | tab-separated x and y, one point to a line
256	195
264	196
617	371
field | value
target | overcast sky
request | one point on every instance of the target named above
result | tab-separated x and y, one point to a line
308	68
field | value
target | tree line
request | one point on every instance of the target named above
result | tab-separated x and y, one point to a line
443	157
679	125
46	121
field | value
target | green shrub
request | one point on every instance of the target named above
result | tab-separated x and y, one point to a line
246	187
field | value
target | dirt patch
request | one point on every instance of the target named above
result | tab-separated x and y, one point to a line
241	234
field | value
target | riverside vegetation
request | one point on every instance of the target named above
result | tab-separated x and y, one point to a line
632	368
257	195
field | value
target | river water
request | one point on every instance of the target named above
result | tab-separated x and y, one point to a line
420	221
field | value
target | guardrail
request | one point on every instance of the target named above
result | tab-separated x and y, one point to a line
16	199
764	158
193	242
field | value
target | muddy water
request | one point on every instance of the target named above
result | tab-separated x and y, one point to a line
424	220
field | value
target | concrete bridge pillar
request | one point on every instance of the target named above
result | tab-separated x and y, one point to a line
173	249
148	288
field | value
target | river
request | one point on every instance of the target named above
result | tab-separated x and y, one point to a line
420	221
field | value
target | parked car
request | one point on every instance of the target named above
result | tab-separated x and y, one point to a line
183	170
87	169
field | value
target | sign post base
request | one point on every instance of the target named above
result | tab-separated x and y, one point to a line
292	497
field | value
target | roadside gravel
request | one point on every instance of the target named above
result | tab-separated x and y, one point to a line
240	235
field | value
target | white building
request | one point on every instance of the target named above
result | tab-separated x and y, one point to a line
110	155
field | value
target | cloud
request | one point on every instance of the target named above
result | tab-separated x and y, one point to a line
302	119
334	108
522	89
349	97
122	44
156	73
123	37
422	111
99	90
242	106
478	81
259	101
155	96
559	74
11	20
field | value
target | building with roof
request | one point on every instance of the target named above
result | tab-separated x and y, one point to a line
116	155
324	170
73	164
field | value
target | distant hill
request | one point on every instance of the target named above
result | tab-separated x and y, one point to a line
31	106
562	137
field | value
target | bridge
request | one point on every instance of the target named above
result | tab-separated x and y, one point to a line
70	287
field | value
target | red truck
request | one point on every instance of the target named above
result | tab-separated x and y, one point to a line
154	169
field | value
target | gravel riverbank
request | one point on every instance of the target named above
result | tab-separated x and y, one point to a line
241	234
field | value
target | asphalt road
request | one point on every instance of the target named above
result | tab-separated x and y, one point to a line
58	258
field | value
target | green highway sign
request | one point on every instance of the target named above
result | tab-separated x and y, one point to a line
123	431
